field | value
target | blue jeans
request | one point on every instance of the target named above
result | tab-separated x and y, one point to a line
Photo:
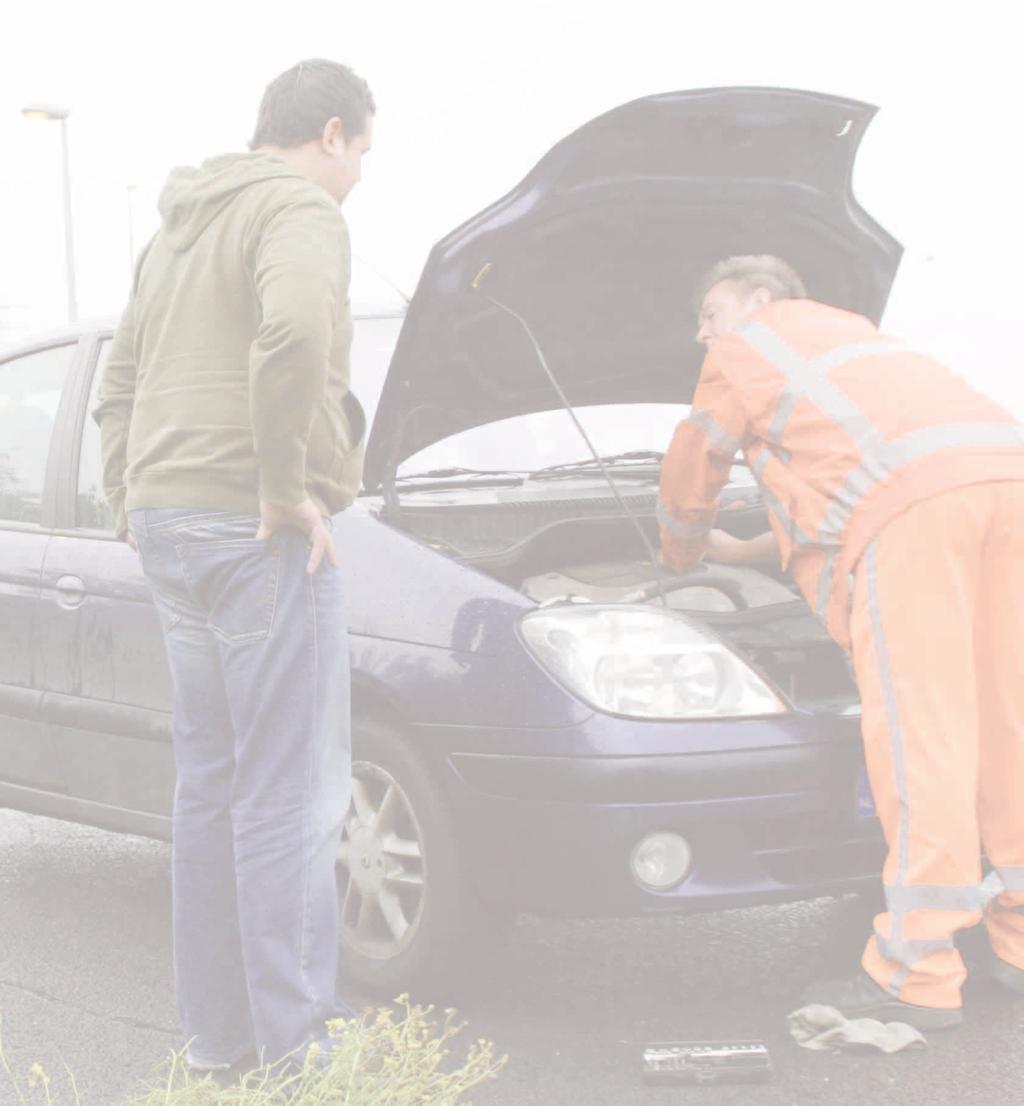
258	656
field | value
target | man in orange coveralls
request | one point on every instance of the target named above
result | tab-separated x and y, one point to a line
896	500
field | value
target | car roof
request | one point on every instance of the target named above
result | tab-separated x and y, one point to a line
105	325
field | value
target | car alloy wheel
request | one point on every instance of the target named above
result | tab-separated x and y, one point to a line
381	866
410	919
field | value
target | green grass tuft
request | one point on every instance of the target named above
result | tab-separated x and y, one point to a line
376	1060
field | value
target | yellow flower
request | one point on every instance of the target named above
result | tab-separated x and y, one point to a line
37	1076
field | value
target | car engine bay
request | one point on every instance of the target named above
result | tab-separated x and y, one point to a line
568	542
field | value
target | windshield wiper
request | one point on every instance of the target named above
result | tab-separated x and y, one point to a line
518	475
634	456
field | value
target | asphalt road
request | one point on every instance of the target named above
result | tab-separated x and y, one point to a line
85	981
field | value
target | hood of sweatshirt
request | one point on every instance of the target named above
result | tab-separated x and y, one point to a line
193	197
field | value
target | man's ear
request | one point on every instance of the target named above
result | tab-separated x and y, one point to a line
333	137
761	298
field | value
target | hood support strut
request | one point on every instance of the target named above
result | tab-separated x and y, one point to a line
623	506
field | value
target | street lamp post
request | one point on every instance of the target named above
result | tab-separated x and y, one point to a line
52	112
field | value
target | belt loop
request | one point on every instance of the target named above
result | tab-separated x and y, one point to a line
137	520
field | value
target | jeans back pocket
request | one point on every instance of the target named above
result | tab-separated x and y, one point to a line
234	580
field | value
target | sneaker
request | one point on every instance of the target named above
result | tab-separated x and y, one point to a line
224	1075
355	1032
203	1067
861	997
1006	974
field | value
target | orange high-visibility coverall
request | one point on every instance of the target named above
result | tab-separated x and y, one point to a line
896	495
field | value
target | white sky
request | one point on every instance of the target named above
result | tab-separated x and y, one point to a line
472	92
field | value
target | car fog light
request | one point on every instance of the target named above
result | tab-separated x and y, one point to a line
661	860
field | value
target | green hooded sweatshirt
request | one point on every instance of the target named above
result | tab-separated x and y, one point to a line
228	377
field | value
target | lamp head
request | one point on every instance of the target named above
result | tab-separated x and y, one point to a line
45	111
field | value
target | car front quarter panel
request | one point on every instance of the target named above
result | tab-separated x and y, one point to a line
432	686
403	590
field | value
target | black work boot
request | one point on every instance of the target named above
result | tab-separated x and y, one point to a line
1006	974
861	997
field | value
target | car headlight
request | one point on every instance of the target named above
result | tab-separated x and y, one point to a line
646	663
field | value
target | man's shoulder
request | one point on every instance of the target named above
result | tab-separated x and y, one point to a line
280	194
796	316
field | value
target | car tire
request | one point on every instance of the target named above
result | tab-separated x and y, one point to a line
410	922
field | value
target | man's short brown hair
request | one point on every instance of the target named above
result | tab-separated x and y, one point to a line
299	103
753	271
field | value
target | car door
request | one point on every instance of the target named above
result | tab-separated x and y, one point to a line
31	386
107	687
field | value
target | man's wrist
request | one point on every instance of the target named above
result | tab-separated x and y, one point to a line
746	550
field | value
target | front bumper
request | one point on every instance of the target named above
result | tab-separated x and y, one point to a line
554	834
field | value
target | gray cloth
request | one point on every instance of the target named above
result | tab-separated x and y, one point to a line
825	1029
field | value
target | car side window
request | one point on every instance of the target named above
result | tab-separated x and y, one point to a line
30	390
92	510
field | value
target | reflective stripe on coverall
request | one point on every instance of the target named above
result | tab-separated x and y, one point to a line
859	445
937	623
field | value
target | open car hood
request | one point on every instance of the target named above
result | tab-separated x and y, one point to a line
600	248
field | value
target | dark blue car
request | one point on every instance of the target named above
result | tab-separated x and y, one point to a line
544	718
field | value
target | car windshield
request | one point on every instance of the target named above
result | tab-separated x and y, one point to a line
547	438
522	443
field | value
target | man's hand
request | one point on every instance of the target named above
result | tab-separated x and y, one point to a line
129	540
305	517
727	550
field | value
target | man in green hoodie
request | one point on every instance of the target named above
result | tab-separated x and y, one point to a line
230	437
